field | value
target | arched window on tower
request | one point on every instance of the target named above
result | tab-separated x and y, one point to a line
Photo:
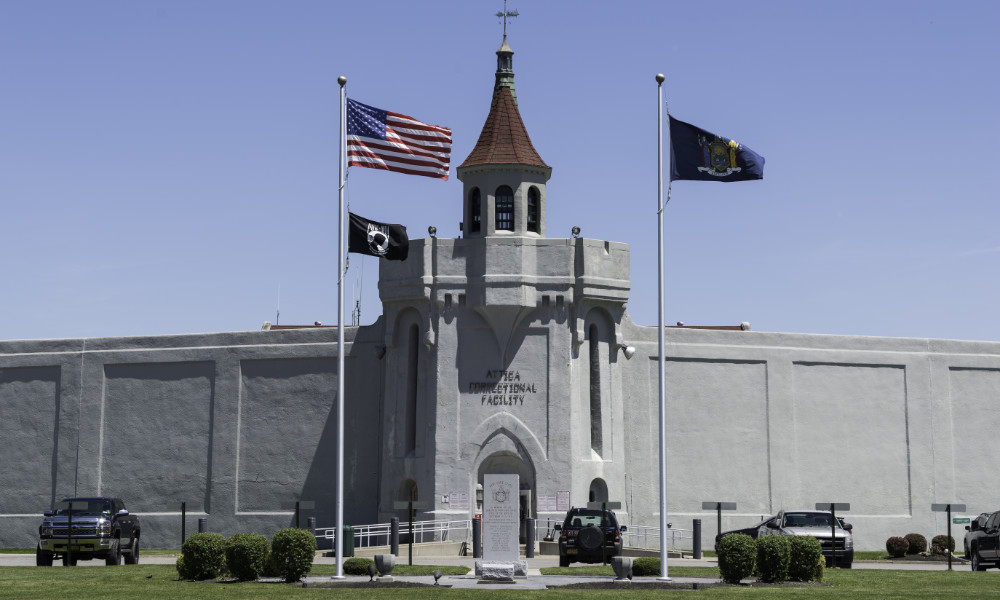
596	414
410	431
534	213
475	210
504	209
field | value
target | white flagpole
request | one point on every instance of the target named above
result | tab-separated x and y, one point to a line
342	159
661	361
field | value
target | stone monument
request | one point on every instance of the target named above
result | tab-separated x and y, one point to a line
501	520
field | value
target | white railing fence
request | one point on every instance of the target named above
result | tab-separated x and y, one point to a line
423	532
648	538
637	536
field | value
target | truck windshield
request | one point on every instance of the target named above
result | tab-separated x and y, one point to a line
804	519
94	508
585	518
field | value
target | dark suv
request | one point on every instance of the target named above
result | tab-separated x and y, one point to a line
589	535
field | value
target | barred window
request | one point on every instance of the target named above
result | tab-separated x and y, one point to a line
596	411
504	212
534	200
475	210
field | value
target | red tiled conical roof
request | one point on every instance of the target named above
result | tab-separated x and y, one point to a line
504	140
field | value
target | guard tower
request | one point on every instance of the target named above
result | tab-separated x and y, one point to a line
502	346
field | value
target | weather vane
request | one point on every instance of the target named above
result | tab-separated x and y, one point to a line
503	15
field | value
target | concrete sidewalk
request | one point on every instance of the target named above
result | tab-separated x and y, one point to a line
531	582
534	581
534	564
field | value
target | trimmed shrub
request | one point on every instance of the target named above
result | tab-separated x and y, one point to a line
270	567
942	544
646	566
292	553
773	553
806	560
246	556
202	556
896	546
737	556
357	566
917	542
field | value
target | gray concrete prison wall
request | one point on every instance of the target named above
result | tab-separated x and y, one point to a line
240	425
772	421
237	425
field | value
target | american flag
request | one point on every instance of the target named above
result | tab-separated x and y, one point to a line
380	139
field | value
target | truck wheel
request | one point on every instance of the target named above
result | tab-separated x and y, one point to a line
977	565
114	557
132	556
43	558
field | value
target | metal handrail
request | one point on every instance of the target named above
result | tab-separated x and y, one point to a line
636	536
378	534
648	537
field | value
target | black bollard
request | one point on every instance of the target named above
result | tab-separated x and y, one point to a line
202	524
477	538
529	538
394	536
696	534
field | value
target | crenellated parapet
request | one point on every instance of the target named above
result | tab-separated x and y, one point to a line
506	279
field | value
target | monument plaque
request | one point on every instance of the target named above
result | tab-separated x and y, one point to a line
501	502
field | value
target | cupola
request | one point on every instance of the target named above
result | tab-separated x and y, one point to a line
503	178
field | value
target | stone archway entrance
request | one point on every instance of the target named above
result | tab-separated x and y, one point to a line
510	463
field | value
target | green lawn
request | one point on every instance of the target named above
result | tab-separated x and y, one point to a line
153	582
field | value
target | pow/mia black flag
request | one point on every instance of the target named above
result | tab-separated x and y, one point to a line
377	239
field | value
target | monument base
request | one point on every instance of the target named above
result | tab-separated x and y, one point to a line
501	570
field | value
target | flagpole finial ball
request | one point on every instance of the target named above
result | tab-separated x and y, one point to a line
342	80
660	78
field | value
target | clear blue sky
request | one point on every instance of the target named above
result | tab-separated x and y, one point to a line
169	166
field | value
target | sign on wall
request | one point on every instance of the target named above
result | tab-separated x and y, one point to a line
459	500
562	500
558	502
502	387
